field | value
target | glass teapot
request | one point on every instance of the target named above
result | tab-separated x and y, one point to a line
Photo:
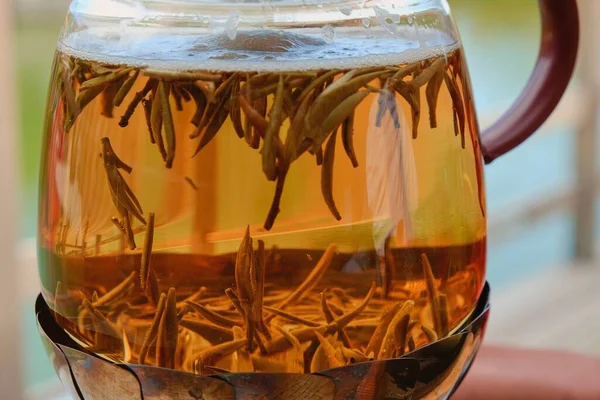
271	198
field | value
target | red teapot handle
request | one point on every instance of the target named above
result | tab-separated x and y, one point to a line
548	82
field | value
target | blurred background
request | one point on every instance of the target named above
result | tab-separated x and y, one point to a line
542	197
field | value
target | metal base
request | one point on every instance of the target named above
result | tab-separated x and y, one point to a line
434	372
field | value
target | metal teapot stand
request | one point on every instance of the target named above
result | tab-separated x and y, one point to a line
434	371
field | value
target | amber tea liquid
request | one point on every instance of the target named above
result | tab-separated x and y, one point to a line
272	220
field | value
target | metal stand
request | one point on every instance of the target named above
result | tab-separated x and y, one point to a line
433	372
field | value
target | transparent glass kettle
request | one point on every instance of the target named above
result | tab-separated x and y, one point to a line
271	195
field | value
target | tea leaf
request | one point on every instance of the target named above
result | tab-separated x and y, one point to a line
433	90
112	158
119	225
327	177
152	290
246	92
347	139
156	116
264	78
199	101
194	297
342	111
291	317
413	97
443	312
166	342
296	366
258	121
213	333
395	336
181	89
388	268
312	279
235	300
208	89
127	200
428	73
288	105
149	86
329	317
65	83
213	354
432	294
455	126
191	182
147	252
295	132
108	96
353	355
177	97
291	338
147	105
152	333
235	112
319	156
122	195
280	343
182	75
116	292
457	104
264	91
329	351
260	276
325	103
316	83
240	359
272	132
104	80
108	336
260	105
216	107
242	267
411	344
125	88
274	209
343	320
213	316
405	71
331	85
82	100
167	119
213	128
430	334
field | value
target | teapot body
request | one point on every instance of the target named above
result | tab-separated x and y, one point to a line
296	184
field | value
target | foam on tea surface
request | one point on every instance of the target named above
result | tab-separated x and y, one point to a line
256	50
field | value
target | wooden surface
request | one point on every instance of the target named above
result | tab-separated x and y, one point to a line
559	310
508	373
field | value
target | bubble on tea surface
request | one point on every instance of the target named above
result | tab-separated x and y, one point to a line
345	9
267	41
328	33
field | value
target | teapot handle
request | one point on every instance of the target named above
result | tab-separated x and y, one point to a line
548	82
